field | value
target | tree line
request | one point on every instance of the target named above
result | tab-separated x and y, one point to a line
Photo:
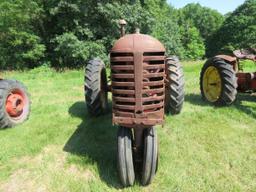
67	33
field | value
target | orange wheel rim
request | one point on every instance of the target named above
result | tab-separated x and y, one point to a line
15	103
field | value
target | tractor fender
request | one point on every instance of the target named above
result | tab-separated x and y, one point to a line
230	60
227	58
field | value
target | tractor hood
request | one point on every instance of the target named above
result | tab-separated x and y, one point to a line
138	43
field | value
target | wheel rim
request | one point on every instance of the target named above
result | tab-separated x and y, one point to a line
15	104
212	84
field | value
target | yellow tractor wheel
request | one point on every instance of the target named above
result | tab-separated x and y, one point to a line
218	82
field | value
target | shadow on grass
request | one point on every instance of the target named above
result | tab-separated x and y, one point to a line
196	99
246	109
95	139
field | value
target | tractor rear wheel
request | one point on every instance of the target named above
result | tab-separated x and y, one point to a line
174	96
125	156
96	95
150	158
14	103
218	82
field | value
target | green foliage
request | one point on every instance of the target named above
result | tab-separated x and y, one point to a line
198	24
165	27
26	46
167	33
20	47
206	20
72	52
79	30
67	33
193	43
238	31
110	13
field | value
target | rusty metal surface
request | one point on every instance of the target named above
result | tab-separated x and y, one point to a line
246	81
138	73
228	58
137	43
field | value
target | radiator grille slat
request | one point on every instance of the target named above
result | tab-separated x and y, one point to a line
123	92
123	84
153	106
151	75
153	83
122	76
126	107
157	66
154	58
124	99
153	91
121	59
153	98
122	67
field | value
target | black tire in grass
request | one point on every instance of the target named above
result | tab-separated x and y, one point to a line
14	103
96	95
226	94
150	158
125	156
174	96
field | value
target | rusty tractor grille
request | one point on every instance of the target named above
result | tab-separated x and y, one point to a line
138	88
123	84
153	82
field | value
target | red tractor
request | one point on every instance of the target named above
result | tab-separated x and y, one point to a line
145	84
222	77
14	103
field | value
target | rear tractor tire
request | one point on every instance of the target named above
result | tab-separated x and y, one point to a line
218	82
174	96
96	95
14	103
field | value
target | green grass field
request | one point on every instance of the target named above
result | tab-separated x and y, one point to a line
61	148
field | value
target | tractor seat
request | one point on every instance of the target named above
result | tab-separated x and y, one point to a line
246	54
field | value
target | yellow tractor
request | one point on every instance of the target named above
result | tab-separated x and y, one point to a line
14	103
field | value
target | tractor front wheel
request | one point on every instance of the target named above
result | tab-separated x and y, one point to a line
14	103
125	156
218	82
150	158
96	95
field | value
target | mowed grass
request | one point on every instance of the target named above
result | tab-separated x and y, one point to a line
61	148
